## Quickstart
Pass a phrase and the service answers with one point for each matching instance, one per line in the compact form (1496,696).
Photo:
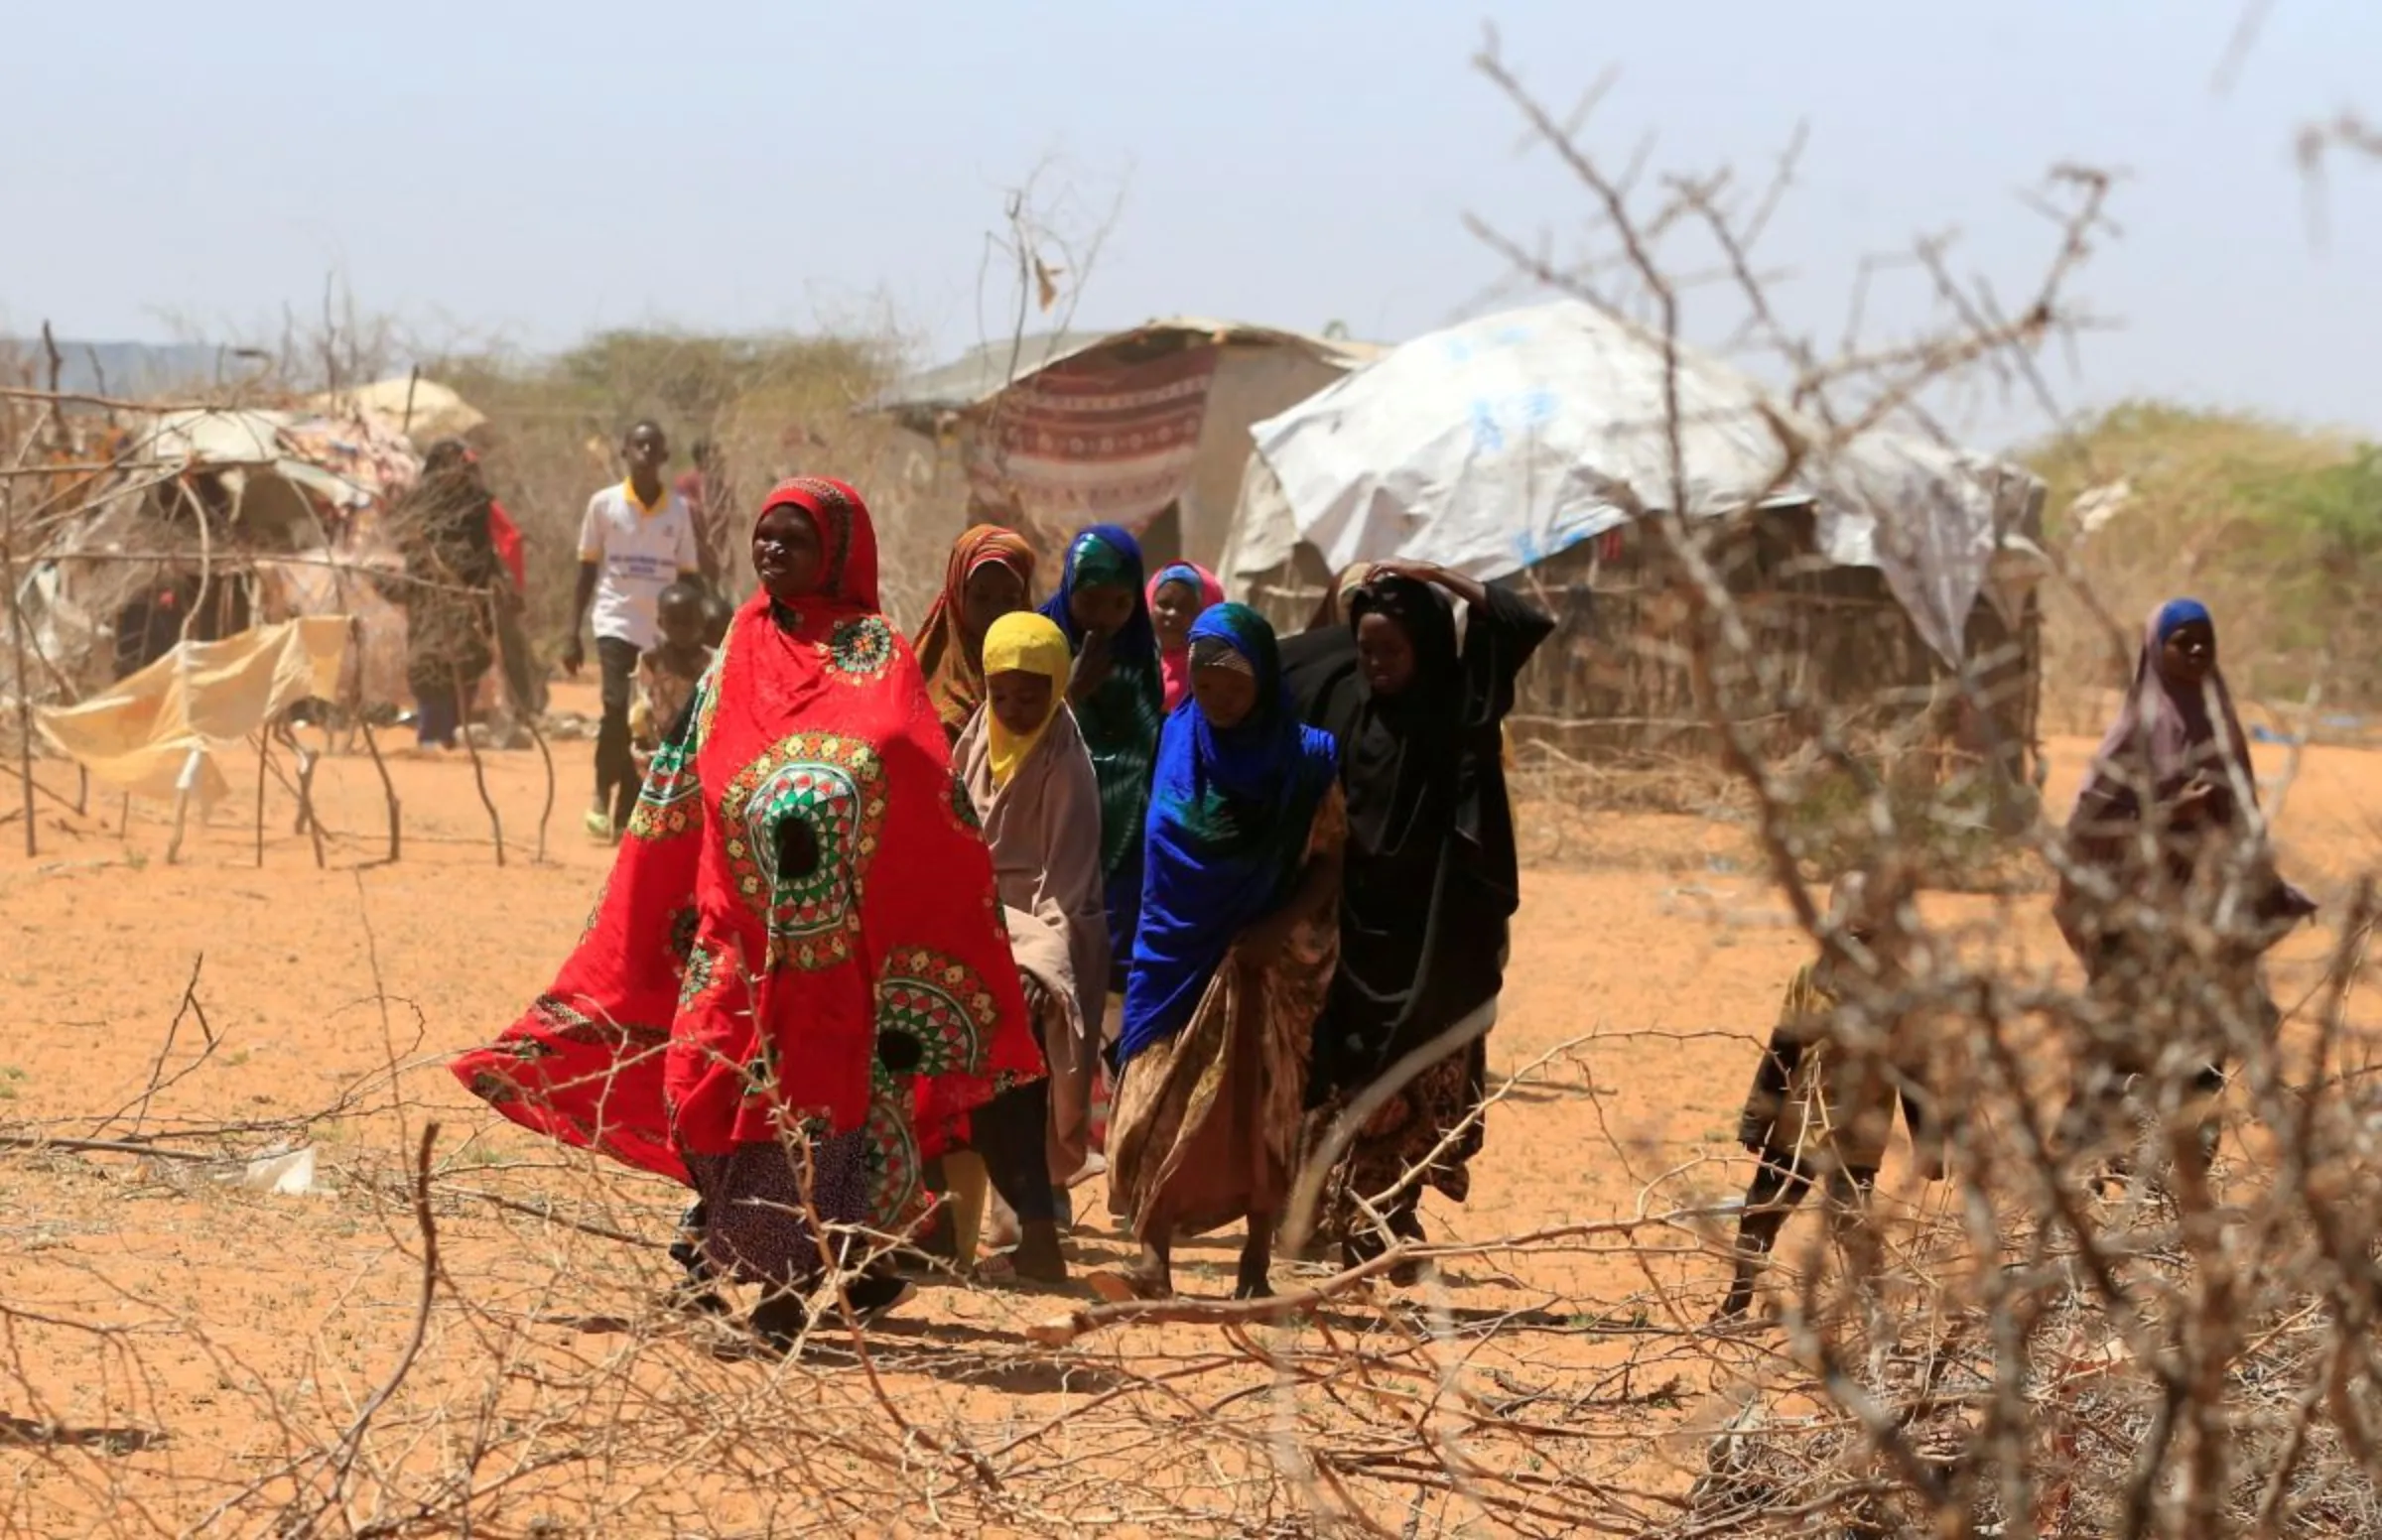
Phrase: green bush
(2278,527)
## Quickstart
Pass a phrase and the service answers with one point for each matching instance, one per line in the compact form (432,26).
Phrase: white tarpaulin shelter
(1494,445)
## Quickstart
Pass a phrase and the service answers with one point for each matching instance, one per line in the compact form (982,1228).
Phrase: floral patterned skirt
(1431,1125)
(756,1208)
(1206,1123)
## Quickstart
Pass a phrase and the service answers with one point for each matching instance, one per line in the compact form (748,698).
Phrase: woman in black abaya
(1432,877)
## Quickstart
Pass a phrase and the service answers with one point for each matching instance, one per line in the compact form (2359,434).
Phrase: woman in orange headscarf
(767,1005)
(991,573)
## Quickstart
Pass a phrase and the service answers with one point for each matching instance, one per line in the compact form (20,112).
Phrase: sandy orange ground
(237,1327)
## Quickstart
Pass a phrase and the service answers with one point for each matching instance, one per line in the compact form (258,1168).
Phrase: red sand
(1657,949)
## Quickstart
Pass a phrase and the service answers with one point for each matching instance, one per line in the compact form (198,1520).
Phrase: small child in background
(716,613)
(668,672)
(1817,1112)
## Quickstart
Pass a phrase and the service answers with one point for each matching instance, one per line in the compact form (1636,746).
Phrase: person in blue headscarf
(1238,938)
(1117,696)
(2168,826)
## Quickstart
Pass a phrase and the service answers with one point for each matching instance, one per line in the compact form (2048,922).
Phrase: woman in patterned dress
(1235,948)
(766,1006)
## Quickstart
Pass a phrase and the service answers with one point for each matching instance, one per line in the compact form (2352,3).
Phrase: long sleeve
(1073,883)
(1500,636)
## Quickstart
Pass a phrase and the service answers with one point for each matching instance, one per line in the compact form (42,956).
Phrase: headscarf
(1175,667)
(1320,662)
(1104,556)
(1229,819)
(953,680)
(1023,643)
(2165,734)
(764,954)
(1404,747)
(1120,723)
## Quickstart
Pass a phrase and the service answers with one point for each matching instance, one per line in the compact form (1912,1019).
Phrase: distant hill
(123,368)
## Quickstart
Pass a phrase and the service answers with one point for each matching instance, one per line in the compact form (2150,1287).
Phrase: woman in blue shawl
(1117,693)
(1237,942)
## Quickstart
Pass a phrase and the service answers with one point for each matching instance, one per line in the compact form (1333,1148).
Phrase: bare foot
(1121,1285)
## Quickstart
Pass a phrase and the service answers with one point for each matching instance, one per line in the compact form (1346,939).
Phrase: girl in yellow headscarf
(1024,652)
(1032,785)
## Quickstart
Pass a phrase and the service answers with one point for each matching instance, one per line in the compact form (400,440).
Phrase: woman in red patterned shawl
(798,958)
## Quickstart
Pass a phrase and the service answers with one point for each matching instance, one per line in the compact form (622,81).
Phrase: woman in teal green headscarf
(1119,696)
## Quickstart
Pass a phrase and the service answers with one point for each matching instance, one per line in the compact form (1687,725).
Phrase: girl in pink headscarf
(1178,595)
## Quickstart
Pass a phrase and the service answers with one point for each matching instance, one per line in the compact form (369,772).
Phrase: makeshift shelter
(1528,446)
(405,405)
(1148,428)
(222,519)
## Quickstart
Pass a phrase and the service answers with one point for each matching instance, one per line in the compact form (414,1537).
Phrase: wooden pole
(546,812)
(264,762)
(388,788)
(310,823)
(16,629)
(480,778)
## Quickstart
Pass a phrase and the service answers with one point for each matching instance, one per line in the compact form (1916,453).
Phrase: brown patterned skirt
(1206,1123)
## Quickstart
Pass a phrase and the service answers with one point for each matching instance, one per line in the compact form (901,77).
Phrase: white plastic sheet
(1494,445)
(285,1173)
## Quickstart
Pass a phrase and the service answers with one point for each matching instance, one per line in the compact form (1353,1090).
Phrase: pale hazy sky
(533,172)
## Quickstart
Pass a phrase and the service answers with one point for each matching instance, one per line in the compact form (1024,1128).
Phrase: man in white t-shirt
(637,539)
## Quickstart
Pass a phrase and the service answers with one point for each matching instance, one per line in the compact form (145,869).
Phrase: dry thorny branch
(2024,1349)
